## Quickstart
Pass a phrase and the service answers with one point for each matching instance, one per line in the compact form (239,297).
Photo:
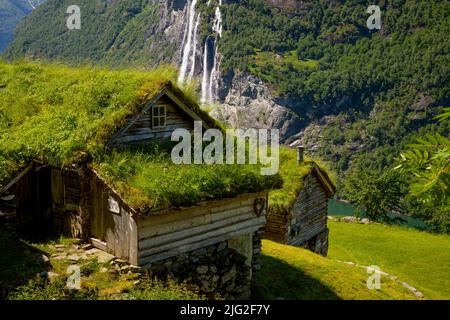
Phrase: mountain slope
(311,68)
(11,13)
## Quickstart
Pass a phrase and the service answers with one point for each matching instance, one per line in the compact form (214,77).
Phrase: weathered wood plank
(210,234)
(144,261)
(190,232)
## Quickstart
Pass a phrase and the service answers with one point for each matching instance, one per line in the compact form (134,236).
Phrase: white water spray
(210,76)
(194,48)
(188,45)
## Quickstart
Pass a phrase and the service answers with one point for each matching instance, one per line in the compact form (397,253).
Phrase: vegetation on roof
(148,180)
(292,174)
(60,115)
(65,116)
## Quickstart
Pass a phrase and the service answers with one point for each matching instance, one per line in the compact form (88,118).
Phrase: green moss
(293,174)
(149,180)
(65,116)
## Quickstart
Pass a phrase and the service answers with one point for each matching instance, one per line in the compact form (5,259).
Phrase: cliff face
(247,102)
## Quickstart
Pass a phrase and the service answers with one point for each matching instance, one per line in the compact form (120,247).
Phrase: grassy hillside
(293,273)
(419,258)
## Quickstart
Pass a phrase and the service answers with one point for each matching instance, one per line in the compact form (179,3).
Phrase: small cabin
(214,242)
(301,220)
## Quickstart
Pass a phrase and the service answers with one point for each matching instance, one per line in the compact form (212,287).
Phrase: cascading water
(194,48)
(210,74)
(188,46)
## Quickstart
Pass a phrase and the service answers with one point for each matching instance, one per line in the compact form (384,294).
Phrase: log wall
(306,224)
(165,235)
(142,131)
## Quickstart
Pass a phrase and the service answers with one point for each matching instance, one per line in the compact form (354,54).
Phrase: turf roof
(65,116)
(293,175)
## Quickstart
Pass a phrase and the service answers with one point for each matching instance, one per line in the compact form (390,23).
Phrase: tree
(375,194)
(427,165)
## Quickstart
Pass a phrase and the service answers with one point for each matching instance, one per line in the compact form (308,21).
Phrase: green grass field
(418,258)
(292,273)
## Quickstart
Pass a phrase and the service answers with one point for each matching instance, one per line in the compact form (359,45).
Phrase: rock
(247,102)
(331,218)
(419,295)
(119,261)
(48,275)
(202,269)
(125,269)
(104,257)
(230,287)
(87,246)
(350,219)
(92,251)
(59,257)
(74,257)
(365,221)
(229,275)
(45,259)
(409,287)
(60,246)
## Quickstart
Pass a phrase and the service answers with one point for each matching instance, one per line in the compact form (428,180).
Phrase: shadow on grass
(279,280)
(19,262)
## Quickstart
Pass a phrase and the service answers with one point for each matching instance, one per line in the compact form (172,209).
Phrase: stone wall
(216,269)
(318,244)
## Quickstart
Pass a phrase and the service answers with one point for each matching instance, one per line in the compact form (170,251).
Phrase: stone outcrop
(247,102)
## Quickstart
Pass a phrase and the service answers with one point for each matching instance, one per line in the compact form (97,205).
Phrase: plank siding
(166,235)
(309,214)
(306,219)
(141,130)
(117,230)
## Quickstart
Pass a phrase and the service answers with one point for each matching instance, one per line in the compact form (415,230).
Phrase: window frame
(159,117)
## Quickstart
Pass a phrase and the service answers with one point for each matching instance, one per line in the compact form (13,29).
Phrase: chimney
(300,154)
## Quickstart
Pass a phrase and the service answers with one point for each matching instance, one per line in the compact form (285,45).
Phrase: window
(158,117)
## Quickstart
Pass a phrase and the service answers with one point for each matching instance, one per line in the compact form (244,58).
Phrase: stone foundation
(216,269)
(318,244)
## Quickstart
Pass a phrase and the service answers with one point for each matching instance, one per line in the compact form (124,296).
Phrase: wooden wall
(309,215)
(307,218)
(165,235)
(112,225)
(141,130)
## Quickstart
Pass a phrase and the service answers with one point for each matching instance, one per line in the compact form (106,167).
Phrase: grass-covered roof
(293,175)
(65,116)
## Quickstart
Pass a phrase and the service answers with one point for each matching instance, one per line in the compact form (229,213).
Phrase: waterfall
(210,74)
(205,77)
(194,48)
(188,45)
(217,26)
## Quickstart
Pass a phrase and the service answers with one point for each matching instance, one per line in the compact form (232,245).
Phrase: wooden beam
(17,178)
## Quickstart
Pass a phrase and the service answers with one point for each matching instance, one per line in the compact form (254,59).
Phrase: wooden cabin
(216,242)
(303,223)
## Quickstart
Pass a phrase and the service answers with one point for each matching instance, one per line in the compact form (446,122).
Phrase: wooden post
(300,154)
